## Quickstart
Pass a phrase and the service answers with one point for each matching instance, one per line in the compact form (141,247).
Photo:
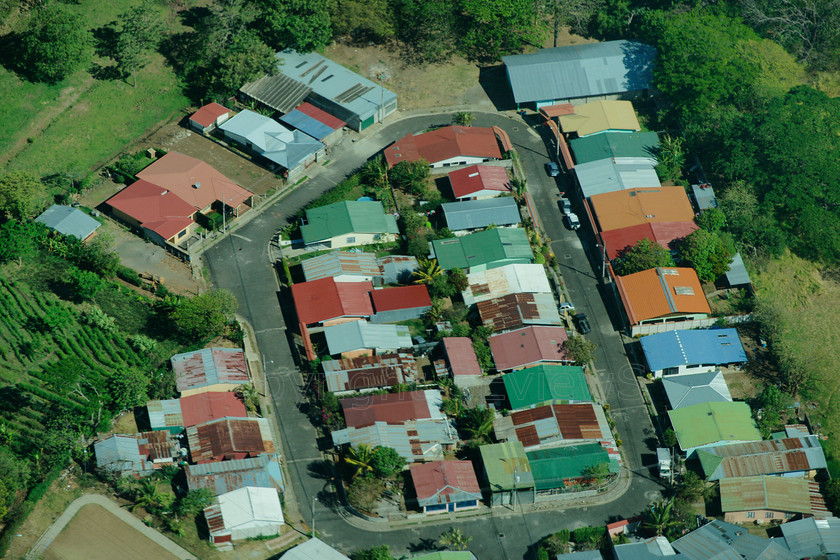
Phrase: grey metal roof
(581,555)
(165,414)
(67,220)
(696,388)
(357,335)
(704,196)
(397,269)
(811,537)
(580,71)
(710,542)
(428,436)
(737,274)
(657,547)
(225,476)
(272,140)
(472,214)
(280,92)
(615,174)
(339,263)
(753,547)
(121,453)
(335,82)
(313,549)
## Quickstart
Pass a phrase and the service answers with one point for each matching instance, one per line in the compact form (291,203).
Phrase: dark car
(582,323)
(552,169)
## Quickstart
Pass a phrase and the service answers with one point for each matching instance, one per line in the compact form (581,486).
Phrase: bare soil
(96,534)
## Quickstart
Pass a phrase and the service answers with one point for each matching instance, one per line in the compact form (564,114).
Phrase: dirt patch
(96,534)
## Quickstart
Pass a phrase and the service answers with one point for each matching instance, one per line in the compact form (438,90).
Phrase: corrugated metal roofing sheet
(713,422)
(516,310)
(165,414)
(775,493)
(339,263)
(345,218)
(307,124)
(711,541)
(737,274)
(392,408)
(696,388)
(661,292)
(461,356)
(600,116)
(529,345)
(632,207)
(474,214)
(812,537)
(366,372)
(325,299)
(442,482)
(313,549)
(478,178)
(615,174)
(67,220)
(400,297)
(210,366)
(504,280)
(279,92)
(220,477)
(361,335)
(552,467)
(426,439)
(577,71)
(208,114)
(489,248)
(616,145)
(618,241)
(229,438)
(762,457)
(397,269)
(693,347)
(505,461)
(444,143)
(540,384)
(204,407)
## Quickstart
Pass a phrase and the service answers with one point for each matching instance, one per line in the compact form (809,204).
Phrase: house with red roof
(463,363)
(446,147)
(209,117)
(401,303)
(175,196)
(445,486)
(477,182)
(529,346)
(325,302)
(174,415)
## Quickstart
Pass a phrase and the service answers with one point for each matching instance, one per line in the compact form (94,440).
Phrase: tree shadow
(322,469)
(192,17)
(424,545)
(13,399)
(10,54)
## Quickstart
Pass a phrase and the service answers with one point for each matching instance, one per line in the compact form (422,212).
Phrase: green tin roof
(486,249)
(503,462)
(446,555)
(615,145)
(349,216)
(535,385)
(552,466)
(712,422)
(709,462)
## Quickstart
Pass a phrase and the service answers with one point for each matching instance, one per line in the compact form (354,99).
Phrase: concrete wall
(759,516)
(358,239)
(459,160)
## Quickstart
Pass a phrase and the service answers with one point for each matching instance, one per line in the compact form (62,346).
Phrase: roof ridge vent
(197,185)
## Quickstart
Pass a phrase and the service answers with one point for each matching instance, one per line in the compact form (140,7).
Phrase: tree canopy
(55,43)
(205,315)
(705,252)
(302,25)
(644,255)
(17,195)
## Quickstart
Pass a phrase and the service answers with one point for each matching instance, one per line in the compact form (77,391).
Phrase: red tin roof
(444,478)
(461,355)
(204,407)
(229,438)
(527,346)
(402,297)
(444,143)
(477,178)
(321,116)
(156,208)
(208,114)
(617,240)
(391,408)
(324,299)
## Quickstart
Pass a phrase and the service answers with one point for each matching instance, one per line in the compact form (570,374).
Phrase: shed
(209,117)
(546,384)
(696,388)
(400,303)
(615,174)
(713,423)
(165,415)
(704,196)
(313,549)
(534,344)
(337,90)
(67,220)
(600,116)
(686,351)
(483,250)
(263,471)
(244,513)
(611,69)
(445,486)
(737,274)
(357,338)
(476,214)
(507,472)
(316,123)
(278,91)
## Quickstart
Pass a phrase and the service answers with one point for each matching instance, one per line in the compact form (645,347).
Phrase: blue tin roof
(472,214)
(693,347)
(303,122)
(68,221)
(225,476)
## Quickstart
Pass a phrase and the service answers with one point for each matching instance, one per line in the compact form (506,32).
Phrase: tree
(670,438)
(463,118)
(671,157)
(580,349)
(692,487)
(597,471)
(17,195)
(705,252)
(658,517)
(519,187)
(17,240)
(455,539)
(141,30)
(244,59)
(754,227)
(492,28)
(193,502)
(127,389)
(711,219)
(55,316)
(146,495)
(365,492)
(427,271)
(85,285)
(248,393)
(359,459)
(55,43)
(477,424)
(385,461)
(644,255)
(302,25)
(458,279)
(381,552)
(363,19)
(411,176)
(428,28)
(205,315)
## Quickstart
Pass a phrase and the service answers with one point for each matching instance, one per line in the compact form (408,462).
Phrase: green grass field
(806,299)
(80,123)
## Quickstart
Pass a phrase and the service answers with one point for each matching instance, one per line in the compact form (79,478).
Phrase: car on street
(572,221)
(566,306)
(552,169)
(582,323)
(565,206)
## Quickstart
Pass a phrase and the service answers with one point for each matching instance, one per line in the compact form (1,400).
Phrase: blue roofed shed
(67,220)
(692,351)
(475,214)
(316,123)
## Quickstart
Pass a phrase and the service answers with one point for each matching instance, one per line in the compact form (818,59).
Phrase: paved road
(241,264)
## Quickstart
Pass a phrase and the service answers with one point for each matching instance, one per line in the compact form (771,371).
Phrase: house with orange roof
(661,295)
(175,196)
(446,147)
(632,207)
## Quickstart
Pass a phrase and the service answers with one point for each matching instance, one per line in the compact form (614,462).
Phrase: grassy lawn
(806,298)
(80,123)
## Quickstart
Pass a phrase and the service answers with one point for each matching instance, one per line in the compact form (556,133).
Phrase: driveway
(241,264)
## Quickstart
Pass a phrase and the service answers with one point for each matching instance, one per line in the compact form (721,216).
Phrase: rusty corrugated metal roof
(229,437)
(515,310)
(210,366)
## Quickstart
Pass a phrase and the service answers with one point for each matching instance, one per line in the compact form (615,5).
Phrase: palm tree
(671,156)
(146,495)
(518,186)
(359,458)
(658,518)
(477,423)
(454,538)
(428,270)
(249,396)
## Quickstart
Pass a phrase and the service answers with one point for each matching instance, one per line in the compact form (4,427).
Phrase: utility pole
(224,221)
(313,517)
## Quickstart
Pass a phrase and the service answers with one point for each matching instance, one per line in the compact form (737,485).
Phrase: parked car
(565,206)
(582,323)
(572,221)
(566,306)
(552,169)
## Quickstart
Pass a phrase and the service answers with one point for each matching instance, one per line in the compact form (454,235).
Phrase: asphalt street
(240,263)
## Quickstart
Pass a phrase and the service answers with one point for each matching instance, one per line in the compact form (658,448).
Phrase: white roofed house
(505,280)
(244,513)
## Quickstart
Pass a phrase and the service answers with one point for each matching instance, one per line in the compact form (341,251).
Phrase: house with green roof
(349,223)
(616,145)
(762,499)
(713,423)
(530,387)
(559,468)
(507,472)
(446,555)
(483,250)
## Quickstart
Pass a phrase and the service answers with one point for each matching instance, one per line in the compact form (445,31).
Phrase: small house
(618,174)
(507,473)
(460,355)
(135,454)
(696,388)
(313,549)
(229,439)
(245,513)
(662,295)
(534,386)
(813,538)
(67,220)
(369,372)
(263,471)
(316,123)
(712,424)
(400,303)
(174,415)
(208,117)
(616,145)
(554,425)
(557,469)
(505,280)
(446,147)
(342,266)
(470,215)
(483,250)
(766,499)
(348,224)
(209,369)
(514,311)
(599,116)
(800,456)
(529,346)
(445,486)
(479,182)
(359,338)
(681,352)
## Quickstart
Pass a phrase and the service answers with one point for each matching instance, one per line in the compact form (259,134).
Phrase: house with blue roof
(692,351)
(276,145)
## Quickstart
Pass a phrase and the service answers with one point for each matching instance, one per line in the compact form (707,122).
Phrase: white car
(566,206)
(572,221)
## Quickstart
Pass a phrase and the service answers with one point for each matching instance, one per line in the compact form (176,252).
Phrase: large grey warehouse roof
(580,71)
(335,82)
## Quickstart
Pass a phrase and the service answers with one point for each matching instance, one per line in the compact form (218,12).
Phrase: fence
(639,330)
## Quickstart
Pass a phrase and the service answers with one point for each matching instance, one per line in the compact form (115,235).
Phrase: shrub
(129,275)
(142,343)
(94,316)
